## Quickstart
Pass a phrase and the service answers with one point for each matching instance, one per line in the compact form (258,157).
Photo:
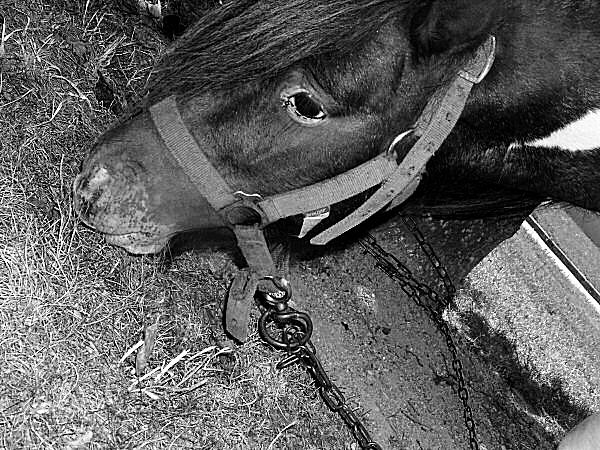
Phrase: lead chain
(294,333)
(334,398)
(296,328)
(428,299)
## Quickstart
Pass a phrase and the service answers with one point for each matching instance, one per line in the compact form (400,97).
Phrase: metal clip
(241,195)
(290,329)
(283,294)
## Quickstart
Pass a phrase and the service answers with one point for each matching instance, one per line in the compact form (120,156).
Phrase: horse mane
(246,40)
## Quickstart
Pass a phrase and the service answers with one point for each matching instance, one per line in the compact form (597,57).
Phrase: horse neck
(546,75)
(547,63)
(542,37)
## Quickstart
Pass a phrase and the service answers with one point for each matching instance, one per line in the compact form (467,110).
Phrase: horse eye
(302,107)
(306,106)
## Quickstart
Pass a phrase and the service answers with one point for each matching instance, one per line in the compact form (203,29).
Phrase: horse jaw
(138,243)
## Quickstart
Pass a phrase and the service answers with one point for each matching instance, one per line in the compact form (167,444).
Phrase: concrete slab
(526,338)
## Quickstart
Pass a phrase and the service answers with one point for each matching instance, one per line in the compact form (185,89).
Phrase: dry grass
(71,307)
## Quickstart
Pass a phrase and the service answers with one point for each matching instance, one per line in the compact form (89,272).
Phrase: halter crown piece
(397,181)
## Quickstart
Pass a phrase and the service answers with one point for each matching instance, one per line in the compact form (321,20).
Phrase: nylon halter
(397,181)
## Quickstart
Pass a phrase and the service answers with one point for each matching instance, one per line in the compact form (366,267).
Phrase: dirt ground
(529,357)
(387,352)
(71,307)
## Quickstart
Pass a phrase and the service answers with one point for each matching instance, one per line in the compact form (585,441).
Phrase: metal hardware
(241,195)
(399,139)
(433,303)
(295,330)
(490,47)
(282,295)
(244,211)
(290,329)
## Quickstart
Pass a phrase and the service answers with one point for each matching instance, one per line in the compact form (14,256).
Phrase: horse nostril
(89,182)
(82,206)
(79,184)
(88,187)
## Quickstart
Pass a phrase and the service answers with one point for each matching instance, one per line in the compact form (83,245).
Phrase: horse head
(280,95)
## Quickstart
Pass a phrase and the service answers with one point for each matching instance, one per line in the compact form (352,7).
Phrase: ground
(72,308)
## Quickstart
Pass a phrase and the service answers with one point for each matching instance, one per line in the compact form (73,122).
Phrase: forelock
(251,39)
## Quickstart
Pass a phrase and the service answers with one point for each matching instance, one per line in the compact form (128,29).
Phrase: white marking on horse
(583,134)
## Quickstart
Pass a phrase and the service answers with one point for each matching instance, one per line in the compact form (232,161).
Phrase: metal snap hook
(284,293)
(295,329)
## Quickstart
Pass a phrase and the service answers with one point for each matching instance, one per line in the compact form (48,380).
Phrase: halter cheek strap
(435,124)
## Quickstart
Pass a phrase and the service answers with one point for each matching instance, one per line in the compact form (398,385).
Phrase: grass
(72,309)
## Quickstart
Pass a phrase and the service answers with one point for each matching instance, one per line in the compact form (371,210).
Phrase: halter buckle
(244,211)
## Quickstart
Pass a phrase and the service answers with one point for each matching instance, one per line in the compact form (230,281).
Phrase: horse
(278,96)
(357,73)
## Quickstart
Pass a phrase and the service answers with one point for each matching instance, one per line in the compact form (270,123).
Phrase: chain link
(334,398)
(428,299)
(284,328)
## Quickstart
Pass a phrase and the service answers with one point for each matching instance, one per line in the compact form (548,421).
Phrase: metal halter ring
(399,139)
(244,211)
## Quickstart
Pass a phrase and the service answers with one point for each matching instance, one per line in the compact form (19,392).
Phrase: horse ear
(439,26)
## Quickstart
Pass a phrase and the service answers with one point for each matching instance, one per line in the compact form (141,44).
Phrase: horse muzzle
(130,190)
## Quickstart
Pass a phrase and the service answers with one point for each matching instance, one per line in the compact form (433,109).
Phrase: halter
(397,181)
